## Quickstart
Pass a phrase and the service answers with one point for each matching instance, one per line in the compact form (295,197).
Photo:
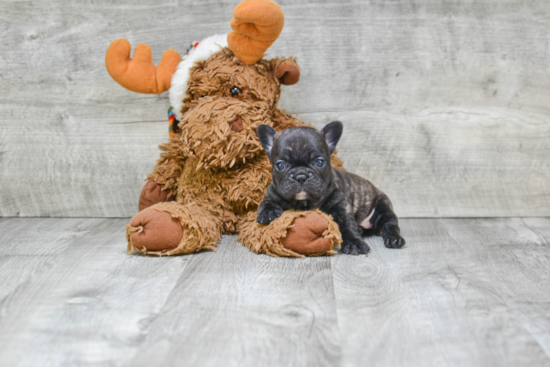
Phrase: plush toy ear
(266,134)
(287,70)
(332,133)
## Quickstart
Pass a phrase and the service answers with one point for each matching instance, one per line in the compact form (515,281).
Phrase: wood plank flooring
(463,292)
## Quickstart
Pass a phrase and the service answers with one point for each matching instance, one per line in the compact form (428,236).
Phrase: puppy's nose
(301,178)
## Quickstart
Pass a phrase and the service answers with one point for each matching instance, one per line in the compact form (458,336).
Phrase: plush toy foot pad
(155,230)
(306,236)
(171,228)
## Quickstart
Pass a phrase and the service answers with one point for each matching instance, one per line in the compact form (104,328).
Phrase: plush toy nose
(237,124)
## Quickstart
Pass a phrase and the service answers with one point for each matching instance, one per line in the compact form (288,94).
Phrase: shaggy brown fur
(219,175)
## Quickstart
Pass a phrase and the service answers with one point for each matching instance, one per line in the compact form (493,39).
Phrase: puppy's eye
(280,166)
(320,162)
(235,91)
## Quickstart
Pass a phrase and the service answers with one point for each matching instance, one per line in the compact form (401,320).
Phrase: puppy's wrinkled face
(300,159)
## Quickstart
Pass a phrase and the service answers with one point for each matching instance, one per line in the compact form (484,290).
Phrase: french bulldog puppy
(304,179)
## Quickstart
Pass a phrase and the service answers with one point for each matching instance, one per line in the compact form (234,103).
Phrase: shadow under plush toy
(214,173)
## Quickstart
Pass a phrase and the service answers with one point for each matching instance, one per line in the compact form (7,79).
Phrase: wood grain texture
(442,164)
(516,257)
(70,295)
(235,308)
(540,226)
(470,292)
(73,297)
(445,104)
(463,292)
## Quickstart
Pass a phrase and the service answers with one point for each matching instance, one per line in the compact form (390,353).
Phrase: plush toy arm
(293,234)
(139,74)
(162,182)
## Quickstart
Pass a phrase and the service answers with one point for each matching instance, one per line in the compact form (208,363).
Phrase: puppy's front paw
(269,214)
(355,247)
(393,241)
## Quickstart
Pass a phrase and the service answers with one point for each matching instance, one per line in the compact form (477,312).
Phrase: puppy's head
(300,159)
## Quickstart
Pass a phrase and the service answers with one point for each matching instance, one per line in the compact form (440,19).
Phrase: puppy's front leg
(352,242)
(268,211)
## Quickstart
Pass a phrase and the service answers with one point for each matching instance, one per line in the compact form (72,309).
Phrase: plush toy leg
(293,234)
(173,229)
(152,194)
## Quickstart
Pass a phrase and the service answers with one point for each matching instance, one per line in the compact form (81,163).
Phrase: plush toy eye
(235,91)
(280,166)
(320,162)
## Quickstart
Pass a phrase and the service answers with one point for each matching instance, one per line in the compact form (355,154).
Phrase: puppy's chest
(239,189)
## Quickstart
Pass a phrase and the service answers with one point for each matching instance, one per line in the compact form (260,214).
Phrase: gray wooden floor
(463,292)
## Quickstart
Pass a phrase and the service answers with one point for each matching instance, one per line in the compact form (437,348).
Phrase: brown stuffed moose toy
(213,173)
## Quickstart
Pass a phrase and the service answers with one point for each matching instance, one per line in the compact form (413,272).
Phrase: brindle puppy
(304,179)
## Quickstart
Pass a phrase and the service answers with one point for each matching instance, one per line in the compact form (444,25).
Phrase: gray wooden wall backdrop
(445,103)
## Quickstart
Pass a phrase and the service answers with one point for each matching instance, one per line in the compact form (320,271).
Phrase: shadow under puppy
(304,179)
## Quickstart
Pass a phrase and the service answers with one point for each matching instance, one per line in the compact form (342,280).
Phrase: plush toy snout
(220,131)
(237,124)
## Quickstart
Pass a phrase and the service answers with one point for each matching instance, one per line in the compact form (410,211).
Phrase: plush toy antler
(140,74)
(256,25)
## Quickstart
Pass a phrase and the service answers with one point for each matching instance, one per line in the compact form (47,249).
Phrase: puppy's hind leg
(384,221)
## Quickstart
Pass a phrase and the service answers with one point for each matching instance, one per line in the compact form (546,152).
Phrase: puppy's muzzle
(301,177)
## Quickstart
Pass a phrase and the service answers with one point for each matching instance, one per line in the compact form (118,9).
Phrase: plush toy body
(213,173)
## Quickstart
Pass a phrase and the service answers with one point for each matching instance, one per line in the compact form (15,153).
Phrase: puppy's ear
(266,134)
(332,133)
